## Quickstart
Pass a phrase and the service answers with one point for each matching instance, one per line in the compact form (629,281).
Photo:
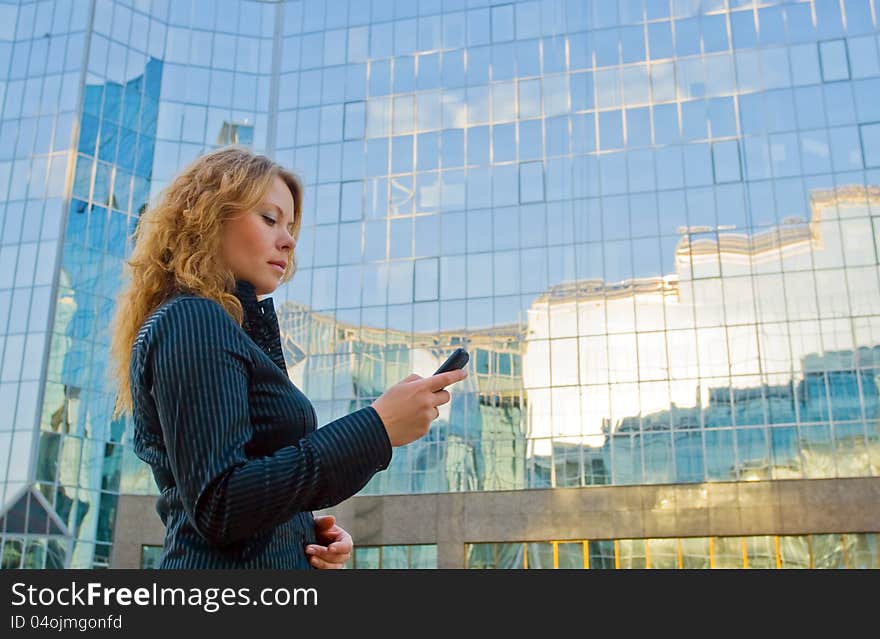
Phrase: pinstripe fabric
(233,444)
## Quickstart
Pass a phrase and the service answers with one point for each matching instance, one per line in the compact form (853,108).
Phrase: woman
(233,444)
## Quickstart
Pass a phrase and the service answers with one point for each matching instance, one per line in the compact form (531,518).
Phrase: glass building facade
(765,552)
(654,224)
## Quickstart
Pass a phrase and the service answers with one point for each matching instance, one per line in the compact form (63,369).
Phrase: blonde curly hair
(177,244)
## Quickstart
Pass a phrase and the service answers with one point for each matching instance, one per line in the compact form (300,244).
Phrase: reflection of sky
(739,310)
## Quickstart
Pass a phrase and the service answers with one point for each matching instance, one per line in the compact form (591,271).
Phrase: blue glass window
(502,23)
(666,124)
(606,48)
(722,117)
(430,32)
(660,40)
(428,151)
(799,19)
(581,91)
(742,25)
(478,146)
(771,25)
(429,72)
(687,37)
(355,119)
(610,130)
(725,161)
(632,41)
(858,16)
(478,63)
(355,81)
(453,69)
(528,20)
(828,19)
(454,30)
(528,58)
(580,50)
(714,31)
(380,77)
(638,127)
(530,140)
(478,27)
(505,186)
(405,37)
(404,74)
(835,65)
(531,182)
(452,146)
(504,143)
(554,54)
(870,134)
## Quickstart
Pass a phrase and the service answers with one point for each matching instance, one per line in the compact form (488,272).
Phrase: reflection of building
(633,214)
(236,133)
(712,372)
(478,441)
(67,511)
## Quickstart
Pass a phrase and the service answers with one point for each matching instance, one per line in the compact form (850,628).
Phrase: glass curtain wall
(828,551)
(42,48)
(153,85)
(653,224)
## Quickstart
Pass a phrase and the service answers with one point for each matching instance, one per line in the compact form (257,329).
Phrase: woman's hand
(337,546)
(408,408)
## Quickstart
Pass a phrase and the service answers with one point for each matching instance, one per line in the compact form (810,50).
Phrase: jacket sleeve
(200,386)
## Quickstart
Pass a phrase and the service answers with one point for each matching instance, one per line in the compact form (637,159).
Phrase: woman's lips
(277,266)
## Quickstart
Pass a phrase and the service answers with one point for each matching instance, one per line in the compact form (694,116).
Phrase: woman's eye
(269,220)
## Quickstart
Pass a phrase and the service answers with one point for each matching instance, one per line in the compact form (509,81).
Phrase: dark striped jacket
(233,444)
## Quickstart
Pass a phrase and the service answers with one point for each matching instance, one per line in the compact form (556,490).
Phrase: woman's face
(258,245)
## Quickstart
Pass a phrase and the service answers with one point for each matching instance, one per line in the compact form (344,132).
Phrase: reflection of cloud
(454,110)
(740,311)
(815,147)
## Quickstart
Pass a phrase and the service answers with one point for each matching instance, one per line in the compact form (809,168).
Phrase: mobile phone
(455,361)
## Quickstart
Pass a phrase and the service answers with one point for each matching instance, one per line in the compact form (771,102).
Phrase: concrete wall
(782,507)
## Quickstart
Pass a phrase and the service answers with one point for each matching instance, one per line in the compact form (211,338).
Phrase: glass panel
(794,552)
(862,550)
(761,552)
(570,554)
(828,551)
(601,554)
(727,552)
(695,553)
(540,555)
(834,60)
(394,557)
(664,553)
(12,553)
(632,553)
(423,556)
(35,555)
(366,557)
(150,556)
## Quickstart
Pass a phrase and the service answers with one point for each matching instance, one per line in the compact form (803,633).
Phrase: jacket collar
(260,321)
(247,295)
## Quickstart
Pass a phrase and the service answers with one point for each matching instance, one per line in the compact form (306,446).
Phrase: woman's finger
(317,562)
